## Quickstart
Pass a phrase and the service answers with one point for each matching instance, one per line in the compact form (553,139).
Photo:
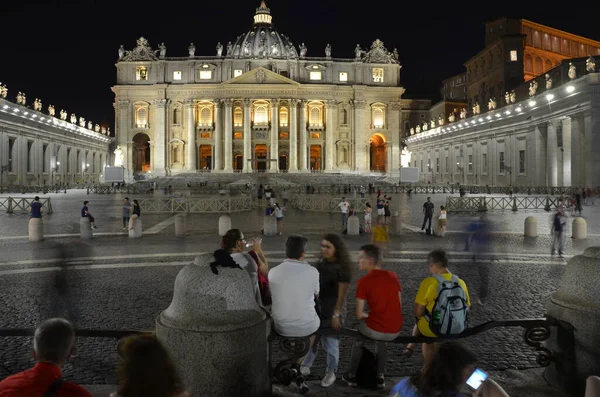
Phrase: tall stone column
(247,167)
(217,149)
(160,136)
(190,163)
(394,122)
(123,139)
(551,153)
(360,138)
(330,135)
(228,141)
(293,167)
(303,138)
(576,163)
(591,126)
(566,163)
(274,166)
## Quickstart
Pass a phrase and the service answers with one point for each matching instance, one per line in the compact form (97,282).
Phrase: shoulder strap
(53,388)
(455,278)
(439,278)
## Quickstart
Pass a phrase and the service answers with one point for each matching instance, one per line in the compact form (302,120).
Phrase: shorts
(442,222)
(279,219)
(380,211)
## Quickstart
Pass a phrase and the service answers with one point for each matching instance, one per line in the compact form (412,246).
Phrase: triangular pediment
(261,75)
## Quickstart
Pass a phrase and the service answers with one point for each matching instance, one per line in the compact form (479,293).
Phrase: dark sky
(64,52)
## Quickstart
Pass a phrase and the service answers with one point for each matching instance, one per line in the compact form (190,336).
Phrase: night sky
(64,52)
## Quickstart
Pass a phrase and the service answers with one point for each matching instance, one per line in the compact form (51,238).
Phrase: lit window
(237,72)
(237,117)
(238,135)
(260,115)
(177,75)
(141,117)
(513,55)
(205,74)
(315,135)
(378,75)
(378,118)
(343,76)
(141,73)
(315,75)
(315,116)
(205,117)
(283,117)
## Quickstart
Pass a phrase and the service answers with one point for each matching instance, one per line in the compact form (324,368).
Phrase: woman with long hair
(335,274)
(443,376)
(135,214)
(147,370)
(234,243)
(278,213)
(368,217)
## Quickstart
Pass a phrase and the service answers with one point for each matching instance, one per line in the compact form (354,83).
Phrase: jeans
(427,217)
(381,339)
(344,219)
(125,221)
(331,344)
(557,240)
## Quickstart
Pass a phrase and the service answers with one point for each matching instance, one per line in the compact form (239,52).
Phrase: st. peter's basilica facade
(260,104)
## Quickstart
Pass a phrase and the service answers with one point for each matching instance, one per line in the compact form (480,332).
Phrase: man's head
(369,257)
(295,247)
(126,198)
(438,261)
(429,199)
(53,341)
(85,202)
(36,198)
(343,198)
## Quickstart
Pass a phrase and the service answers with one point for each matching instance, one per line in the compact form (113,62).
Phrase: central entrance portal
(260,155)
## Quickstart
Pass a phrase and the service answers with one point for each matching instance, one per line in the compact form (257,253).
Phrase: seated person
(381,290)
(426,298)
(53,344)
(294,288)
(450,367)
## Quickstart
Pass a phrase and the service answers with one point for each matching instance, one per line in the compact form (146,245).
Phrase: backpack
(449,314)
(366,374)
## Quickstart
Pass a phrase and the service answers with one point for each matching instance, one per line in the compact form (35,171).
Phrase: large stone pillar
(217,149)
(293,167)
(228,147)
(190,163)
(274,165)
(591,122)
(394,122)
(247,167)
(360,138)
(576,160)
(551,153)
(160,136)
(330,131)
(566,160)
(303,138)
(124,141)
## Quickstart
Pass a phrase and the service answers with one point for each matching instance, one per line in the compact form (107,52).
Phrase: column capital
(331,103)
(161,103)
(358,103)
(395,105)
(124,103)
(227,102)
(274,102)
(216,103)
(303,102)
(189,101)
(294,102)
(247,103)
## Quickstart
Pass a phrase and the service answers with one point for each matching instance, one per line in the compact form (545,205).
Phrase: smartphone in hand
(476,379)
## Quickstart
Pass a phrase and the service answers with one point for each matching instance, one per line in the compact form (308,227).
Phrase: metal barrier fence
(105,189)
(218,205)
(311,202)
(474,204)
(23,204)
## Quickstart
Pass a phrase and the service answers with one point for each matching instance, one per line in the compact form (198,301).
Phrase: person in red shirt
(53,344)
(381,290)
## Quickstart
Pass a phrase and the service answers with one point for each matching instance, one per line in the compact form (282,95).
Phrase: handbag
(263,283)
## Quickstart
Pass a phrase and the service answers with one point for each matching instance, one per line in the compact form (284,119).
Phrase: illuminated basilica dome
(262,41)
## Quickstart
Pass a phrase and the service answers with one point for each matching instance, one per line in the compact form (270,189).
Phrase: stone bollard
(435,226)
(137,229)
(180,225)
(269,226)
(396,226)
(224,224)
(36,229)
(576,303)
(85,228)
(579,228)
(214,319)
(353,226)
(530,226)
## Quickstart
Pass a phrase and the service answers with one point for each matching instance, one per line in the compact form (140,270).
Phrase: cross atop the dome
(263,14)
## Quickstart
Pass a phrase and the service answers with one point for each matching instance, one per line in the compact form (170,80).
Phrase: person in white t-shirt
(344,207)
(294,286)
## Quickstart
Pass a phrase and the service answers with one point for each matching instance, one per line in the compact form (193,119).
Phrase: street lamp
(53,170)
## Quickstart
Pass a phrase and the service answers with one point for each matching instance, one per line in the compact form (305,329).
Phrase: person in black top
(36,208)
(335,274)
(135,213)
(558,227)
(85,213)
(428,208)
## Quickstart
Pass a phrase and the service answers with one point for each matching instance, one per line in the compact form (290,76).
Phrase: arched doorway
(315,157)
(238,162)
(260,156)
(283,166)
(378,153)
(141,153)
(205,154)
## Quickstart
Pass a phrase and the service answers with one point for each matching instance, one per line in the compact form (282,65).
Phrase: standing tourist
(344,206)
(558,227)
(442,221)
(126,212)
(381,235)
(386,210)
(428,214)
(368,217)
(335,274)
(278,212)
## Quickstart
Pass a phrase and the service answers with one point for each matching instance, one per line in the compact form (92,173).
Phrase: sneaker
(304,371)
(328,379)
(380,382)
(351,380)
(94,227)
(301,385)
